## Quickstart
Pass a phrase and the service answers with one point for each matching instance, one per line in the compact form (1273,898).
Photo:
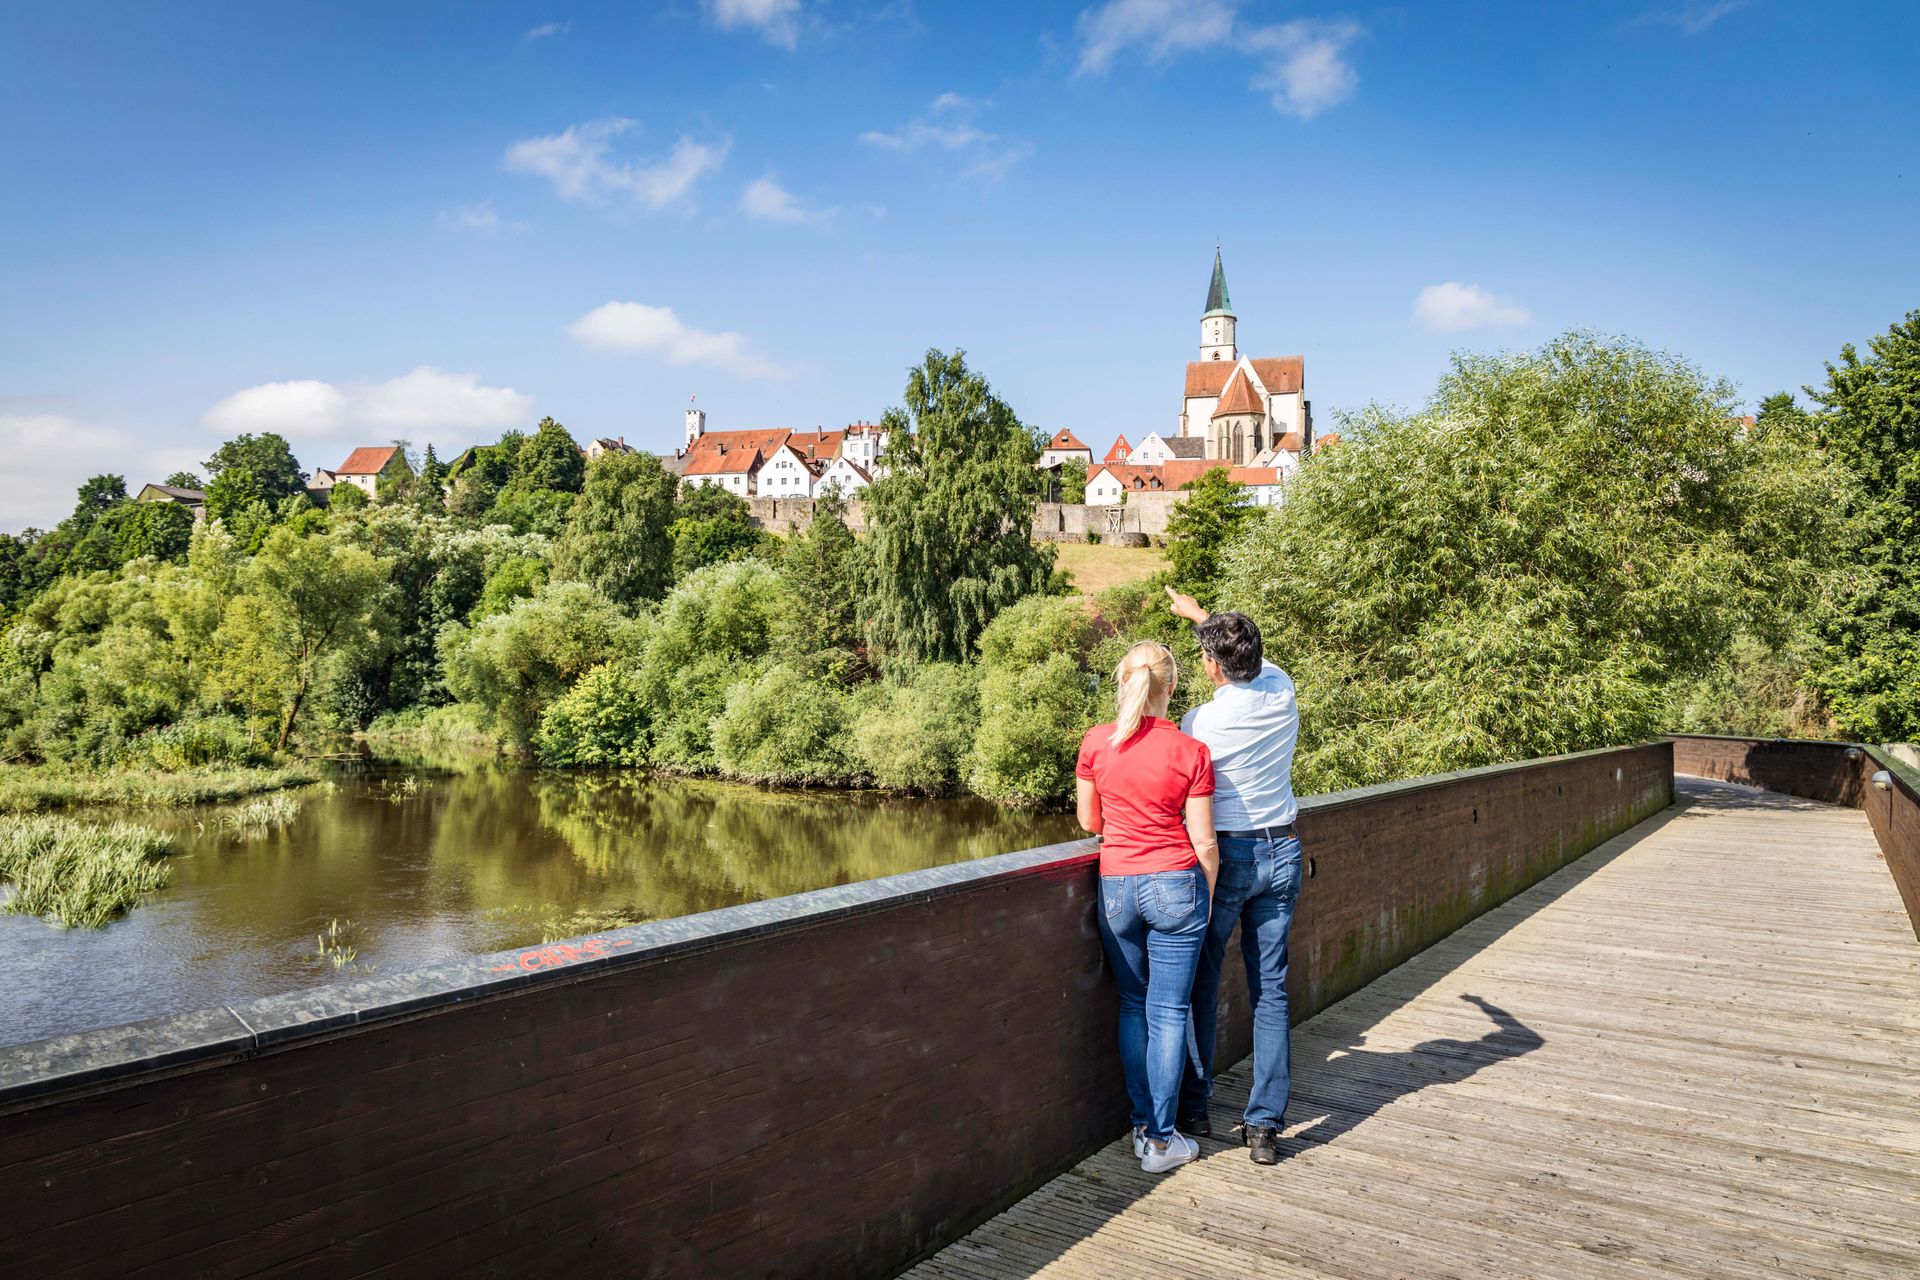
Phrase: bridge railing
(835,1083)
(1850,773)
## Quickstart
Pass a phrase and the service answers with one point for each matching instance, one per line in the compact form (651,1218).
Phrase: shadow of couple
(1353,1082)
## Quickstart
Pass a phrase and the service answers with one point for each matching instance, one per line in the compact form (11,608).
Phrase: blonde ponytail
(1145,678)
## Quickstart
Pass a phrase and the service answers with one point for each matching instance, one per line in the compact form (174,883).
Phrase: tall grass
(40,788)
(261,815)
(77,874)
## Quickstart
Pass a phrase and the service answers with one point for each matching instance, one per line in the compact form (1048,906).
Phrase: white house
(785,474)
(864,444)
(1156,450)
(1263,483)
(598,449)
(731,469)
(844,476)
(1110,481)
(1064,447)
(362,469)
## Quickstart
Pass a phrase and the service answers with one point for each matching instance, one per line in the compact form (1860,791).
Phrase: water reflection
(433,859)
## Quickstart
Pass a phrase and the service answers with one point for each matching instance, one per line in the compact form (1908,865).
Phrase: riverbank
(43,788)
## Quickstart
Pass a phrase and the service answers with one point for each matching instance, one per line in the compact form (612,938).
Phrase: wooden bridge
(1696,1051)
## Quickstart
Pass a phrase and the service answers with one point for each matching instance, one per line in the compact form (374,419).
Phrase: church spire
(1217,299)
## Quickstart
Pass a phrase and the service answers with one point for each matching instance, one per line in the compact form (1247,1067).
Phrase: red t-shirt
(1144,784)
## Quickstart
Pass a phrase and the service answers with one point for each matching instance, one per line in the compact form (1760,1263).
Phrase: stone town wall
(1140,520)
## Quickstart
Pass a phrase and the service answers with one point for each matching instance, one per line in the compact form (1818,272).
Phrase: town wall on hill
(1141,520)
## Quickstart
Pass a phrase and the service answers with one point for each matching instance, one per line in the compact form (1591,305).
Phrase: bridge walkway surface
(1695,1051)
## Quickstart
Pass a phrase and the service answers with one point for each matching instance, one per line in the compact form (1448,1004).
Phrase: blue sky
(360,221)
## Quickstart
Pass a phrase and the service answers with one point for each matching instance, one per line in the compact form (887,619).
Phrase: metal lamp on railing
(1882,780)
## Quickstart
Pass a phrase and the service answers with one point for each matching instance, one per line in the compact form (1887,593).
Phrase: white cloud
(48,456)
(1306,67)
(634,327)
(947,125)
(1695,16)
(547,30)
(479,219)
(777,21)
(578,163)
(1162,27)
(1452,307)
(1303,63)
(424,405)
(768,201)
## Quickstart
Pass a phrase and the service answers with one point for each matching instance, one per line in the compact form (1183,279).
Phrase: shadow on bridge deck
(1690,1052)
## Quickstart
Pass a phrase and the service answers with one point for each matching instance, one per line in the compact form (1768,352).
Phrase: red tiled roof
(367,460)
(765,441)
(1255,475)
(1278,375)
(1135,478)
(1321,442)
(816,444)
(1291,442)
(1180,472)
(1119,451)
(712,462)
(1239,397)
(1067,440)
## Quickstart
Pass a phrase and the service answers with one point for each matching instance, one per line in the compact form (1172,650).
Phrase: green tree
(157,529)
(825,566)
(551,460)
(183,480)
(782,726)
(509,667)
(240,501)
(1871,424)
(270,460)
(617,537)
(951,522)
(301,597)
(1073,481)
(602,720)
(915,736)
(1529,564)
(711,526)
(1211,510)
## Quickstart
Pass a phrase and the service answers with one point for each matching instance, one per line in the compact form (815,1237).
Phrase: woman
(1148,789)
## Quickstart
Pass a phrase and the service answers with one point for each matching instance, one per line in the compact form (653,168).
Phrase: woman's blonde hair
(1146,675)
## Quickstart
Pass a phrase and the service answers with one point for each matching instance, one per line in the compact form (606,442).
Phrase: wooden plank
(1718,1030)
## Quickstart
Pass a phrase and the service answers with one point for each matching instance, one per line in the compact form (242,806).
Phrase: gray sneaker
(1180,1149)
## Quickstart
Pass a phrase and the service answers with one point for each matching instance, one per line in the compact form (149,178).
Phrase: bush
(192,743)
(784,727)
(510,666)
(1031,721)
(1029,632)
(602,720)
(914,737)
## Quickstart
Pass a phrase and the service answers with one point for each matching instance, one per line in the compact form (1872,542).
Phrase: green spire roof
(1217,299)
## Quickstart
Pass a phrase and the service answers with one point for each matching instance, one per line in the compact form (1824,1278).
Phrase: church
(1240,409)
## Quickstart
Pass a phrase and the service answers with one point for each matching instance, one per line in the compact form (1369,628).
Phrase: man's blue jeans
(1152,925)
(1258,886)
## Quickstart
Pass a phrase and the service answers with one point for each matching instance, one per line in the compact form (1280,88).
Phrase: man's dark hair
(1233,641)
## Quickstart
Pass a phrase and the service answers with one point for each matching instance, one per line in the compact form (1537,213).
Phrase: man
(1250,726)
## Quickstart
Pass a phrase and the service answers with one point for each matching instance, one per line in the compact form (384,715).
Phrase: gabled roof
(1119,451)
(850,465)
(173,493)
(1217,299)
(1067,440)
(1129,477)
(816,444)
(1239,397)
(1291,442)
(1280,375)
(1321,442)
(714,462)
(367,460)
(1188,447)
(1181,472)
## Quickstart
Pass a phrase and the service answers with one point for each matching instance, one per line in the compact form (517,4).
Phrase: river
(402,864)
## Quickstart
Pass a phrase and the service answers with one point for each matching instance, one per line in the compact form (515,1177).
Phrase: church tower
(1217,341)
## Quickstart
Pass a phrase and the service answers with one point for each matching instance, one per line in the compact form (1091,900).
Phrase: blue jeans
(1258,886)
(1152,926)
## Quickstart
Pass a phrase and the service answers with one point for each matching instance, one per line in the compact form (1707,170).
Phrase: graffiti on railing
(557,954)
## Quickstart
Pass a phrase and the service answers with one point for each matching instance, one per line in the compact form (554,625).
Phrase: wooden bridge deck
(1699,1054)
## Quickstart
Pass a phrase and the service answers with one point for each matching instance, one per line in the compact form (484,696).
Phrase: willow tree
(1523,567)
(952,520)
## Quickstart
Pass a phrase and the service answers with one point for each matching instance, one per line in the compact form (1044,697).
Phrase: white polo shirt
(1251,729)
